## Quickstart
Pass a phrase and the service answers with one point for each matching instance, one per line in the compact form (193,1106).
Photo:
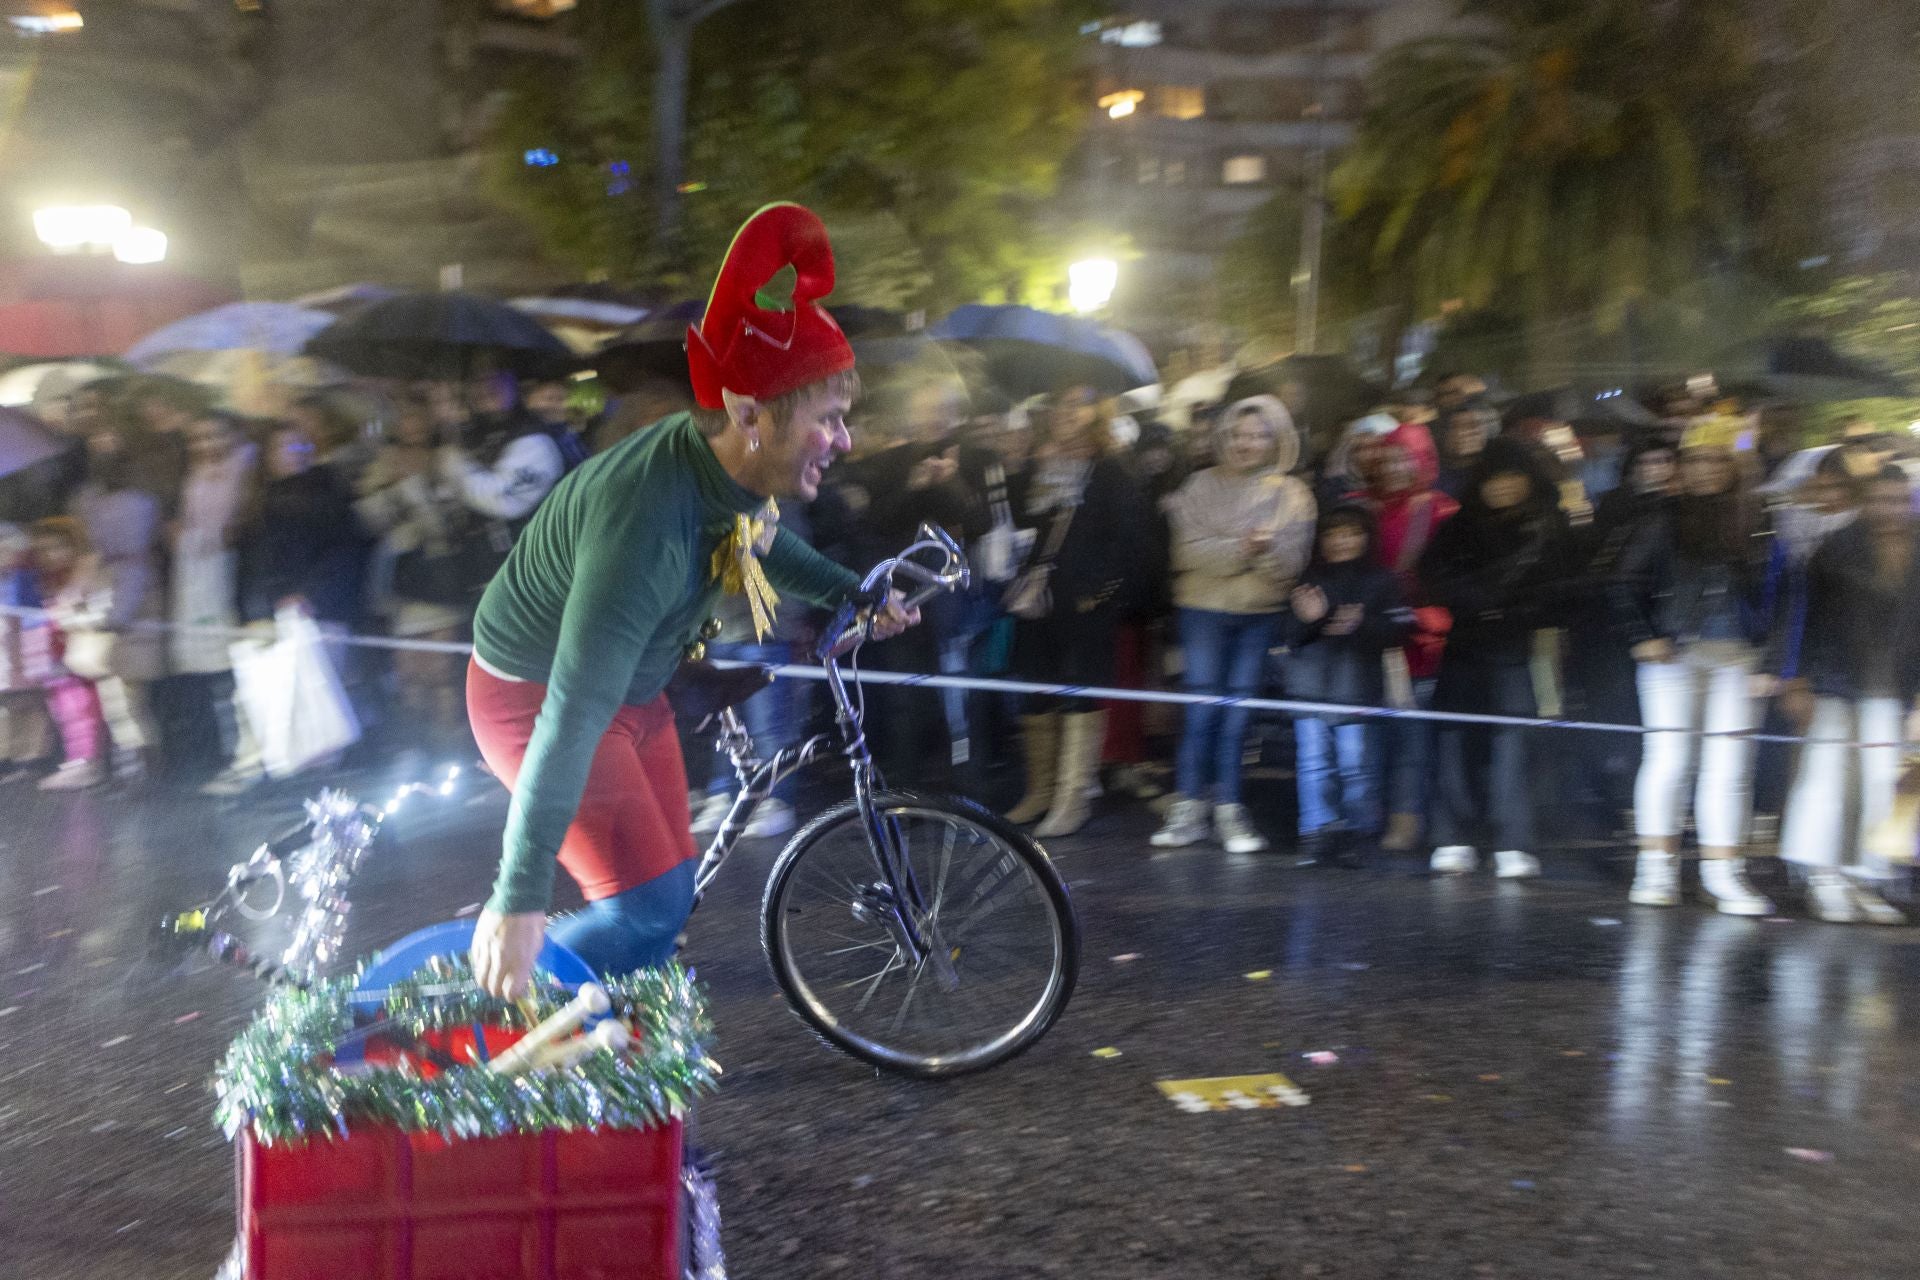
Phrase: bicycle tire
(1022,845)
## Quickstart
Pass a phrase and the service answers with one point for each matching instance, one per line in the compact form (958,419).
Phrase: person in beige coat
(1242,533)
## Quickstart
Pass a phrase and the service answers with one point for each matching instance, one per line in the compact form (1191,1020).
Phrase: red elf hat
(747,349)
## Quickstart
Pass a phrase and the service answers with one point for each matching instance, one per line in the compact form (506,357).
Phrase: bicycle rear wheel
(1001,944)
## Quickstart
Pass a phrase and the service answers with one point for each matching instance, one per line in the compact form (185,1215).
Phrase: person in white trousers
(1861,662)
(1689,593)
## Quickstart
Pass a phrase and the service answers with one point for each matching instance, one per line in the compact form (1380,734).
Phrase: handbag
(1031,594)
(997,553)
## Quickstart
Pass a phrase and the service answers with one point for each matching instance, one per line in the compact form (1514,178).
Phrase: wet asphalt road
(1535,1081)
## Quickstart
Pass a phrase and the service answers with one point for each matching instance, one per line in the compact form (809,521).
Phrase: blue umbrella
(1029,352)
(277,328)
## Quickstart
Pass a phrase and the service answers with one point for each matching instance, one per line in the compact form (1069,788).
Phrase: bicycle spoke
(878,978)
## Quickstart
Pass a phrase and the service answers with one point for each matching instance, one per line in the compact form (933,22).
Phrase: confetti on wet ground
(1810,1155)
(1126,957)
(1233,1093)
(187,1017)
(1490,1077)
(43,892)
(1523,1184)
(1259,975)
(1322,1057)
(1106,1053)
(1604,922)
(115,1043)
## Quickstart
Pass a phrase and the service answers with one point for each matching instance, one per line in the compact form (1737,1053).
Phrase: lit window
(46,24)
(1240,170)
(1134,35)
(1180,101)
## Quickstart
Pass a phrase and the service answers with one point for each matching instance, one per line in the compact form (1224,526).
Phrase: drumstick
(590,1002)
(611,1034)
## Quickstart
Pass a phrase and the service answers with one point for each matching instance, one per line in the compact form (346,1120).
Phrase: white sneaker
(1872,908)
(770,818)
(1725,881)
(1186,825)
(1830,898)
(1511,864)
(75,775)
(1235,833)
(1453,860)
(1656,880)
(713,811)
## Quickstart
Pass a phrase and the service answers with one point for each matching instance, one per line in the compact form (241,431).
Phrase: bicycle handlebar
(852,625)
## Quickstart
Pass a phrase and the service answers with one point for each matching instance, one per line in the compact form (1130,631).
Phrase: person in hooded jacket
(1861,663)
(1242,532)
(1346,613)
(1402,468)
(1501,568)
(1694,595)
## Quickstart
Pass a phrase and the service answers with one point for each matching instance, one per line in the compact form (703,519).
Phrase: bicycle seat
(699,691)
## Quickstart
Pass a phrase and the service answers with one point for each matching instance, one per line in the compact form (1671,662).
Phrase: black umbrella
(1028,352)
(1583,408)
(1805,369)
(440,335)
(653,350)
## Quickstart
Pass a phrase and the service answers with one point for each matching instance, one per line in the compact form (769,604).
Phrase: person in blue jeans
(1242,532)
(1347,612)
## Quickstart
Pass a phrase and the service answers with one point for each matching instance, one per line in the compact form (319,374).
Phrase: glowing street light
(65,228)
(140,245)
(1120,105)
(1090,283)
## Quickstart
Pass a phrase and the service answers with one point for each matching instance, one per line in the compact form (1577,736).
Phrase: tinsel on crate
(279,1079)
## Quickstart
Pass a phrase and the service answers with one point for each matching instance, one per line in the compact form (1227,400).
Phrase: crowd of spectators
(1705,577)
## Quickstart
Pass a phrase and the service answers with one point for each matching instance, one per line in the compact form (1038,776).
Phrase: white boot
(1511,864)
(1081,736)
(1656,880)
(1235,833)
(1725,881)
(1453,860)
(1186,825)
(1873,908)
(1830,898)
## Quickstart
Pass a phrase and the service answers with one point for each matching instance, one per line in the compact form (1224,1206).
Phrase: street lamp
(1090,283)
(70,227)
(140,245)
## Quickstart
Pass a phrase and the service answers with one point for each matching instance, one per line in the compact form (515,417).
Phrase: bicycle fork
(895,902)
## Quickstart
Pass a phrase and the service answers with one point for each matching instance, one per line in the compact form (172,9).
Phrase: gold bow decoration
(736,565)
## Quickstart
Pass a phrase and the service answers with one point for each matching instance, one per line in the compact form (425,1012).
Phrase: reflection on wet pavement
(1501,1080)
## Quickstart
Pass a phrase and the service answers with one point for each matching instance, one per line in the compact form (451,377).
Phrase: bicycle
(962,913)
(877,878)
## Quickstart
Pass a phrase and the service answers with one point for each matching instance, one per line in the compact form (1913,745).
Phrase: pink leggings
(75,706)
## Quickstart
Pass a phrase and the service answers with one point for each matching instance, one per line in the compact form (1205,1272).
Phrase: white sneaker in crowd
(1830,898)
(1511,864)
(1656,880)
(1186,825)
(75,775)
(712,812)
(1235,833)
(1873,908)
(1725,881)
(1453,860)
(770,818)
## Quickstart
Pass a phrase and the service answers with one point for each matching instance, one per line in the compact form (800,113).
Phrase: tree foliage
(928,131)
(1567,158)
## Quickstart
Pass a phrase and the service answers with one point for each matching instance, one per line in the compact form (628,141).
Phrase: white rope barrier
(1284,706)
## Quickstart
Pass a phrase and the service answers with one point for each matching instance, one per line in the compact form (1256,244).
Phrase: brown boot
(1040,741)
(1080,742)
(1403,832)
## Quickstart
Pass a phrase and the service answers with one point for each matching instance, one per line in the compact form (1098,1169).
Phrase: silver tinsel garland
(278,1078)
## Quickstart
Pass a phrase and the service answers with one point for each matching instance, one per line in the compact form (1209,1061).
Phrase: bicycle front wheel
(955,962)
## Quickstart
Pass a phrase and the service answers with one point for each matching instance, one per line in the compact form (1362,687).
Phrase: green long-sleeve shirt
(602,594)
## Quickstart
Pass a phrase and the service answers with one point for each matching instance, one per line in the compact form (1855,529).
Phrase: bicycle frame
(852,627)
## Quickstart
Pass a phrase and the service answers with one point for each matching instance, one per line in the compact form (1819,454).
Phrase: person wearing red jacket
(1401,471)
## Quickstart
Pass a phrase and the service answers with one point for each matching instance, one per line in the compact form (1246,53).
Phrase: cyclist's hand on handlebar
(894,617)
(503,951)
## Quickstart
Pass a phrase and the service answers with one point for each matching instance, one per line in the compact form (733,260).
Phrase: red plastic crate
(388,1205)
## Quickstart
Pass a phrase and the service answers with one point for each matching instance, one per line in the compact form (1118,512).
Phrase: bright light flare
(46,24)
(1090,283)
(66,227)
(140,245)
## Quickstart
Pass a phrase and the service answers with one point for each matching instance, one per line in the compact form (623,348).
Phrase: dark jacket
(304,541)
(1657,592)
(1326,668)
(1106,553)
(1862,638)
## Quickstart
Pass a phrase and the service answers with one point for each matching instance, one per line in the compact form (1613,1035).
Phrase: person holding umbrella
(611,584)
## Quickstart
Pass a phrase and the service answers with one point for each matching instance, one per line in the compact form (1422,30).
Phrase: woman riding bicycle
(609,587)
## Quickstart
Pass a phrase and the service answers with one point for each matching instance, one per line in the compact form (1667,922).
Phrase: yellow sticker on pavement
(1233,1093)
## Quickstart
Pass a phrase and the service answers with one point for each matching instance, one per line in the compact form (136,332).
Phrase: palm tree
(1562,160)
